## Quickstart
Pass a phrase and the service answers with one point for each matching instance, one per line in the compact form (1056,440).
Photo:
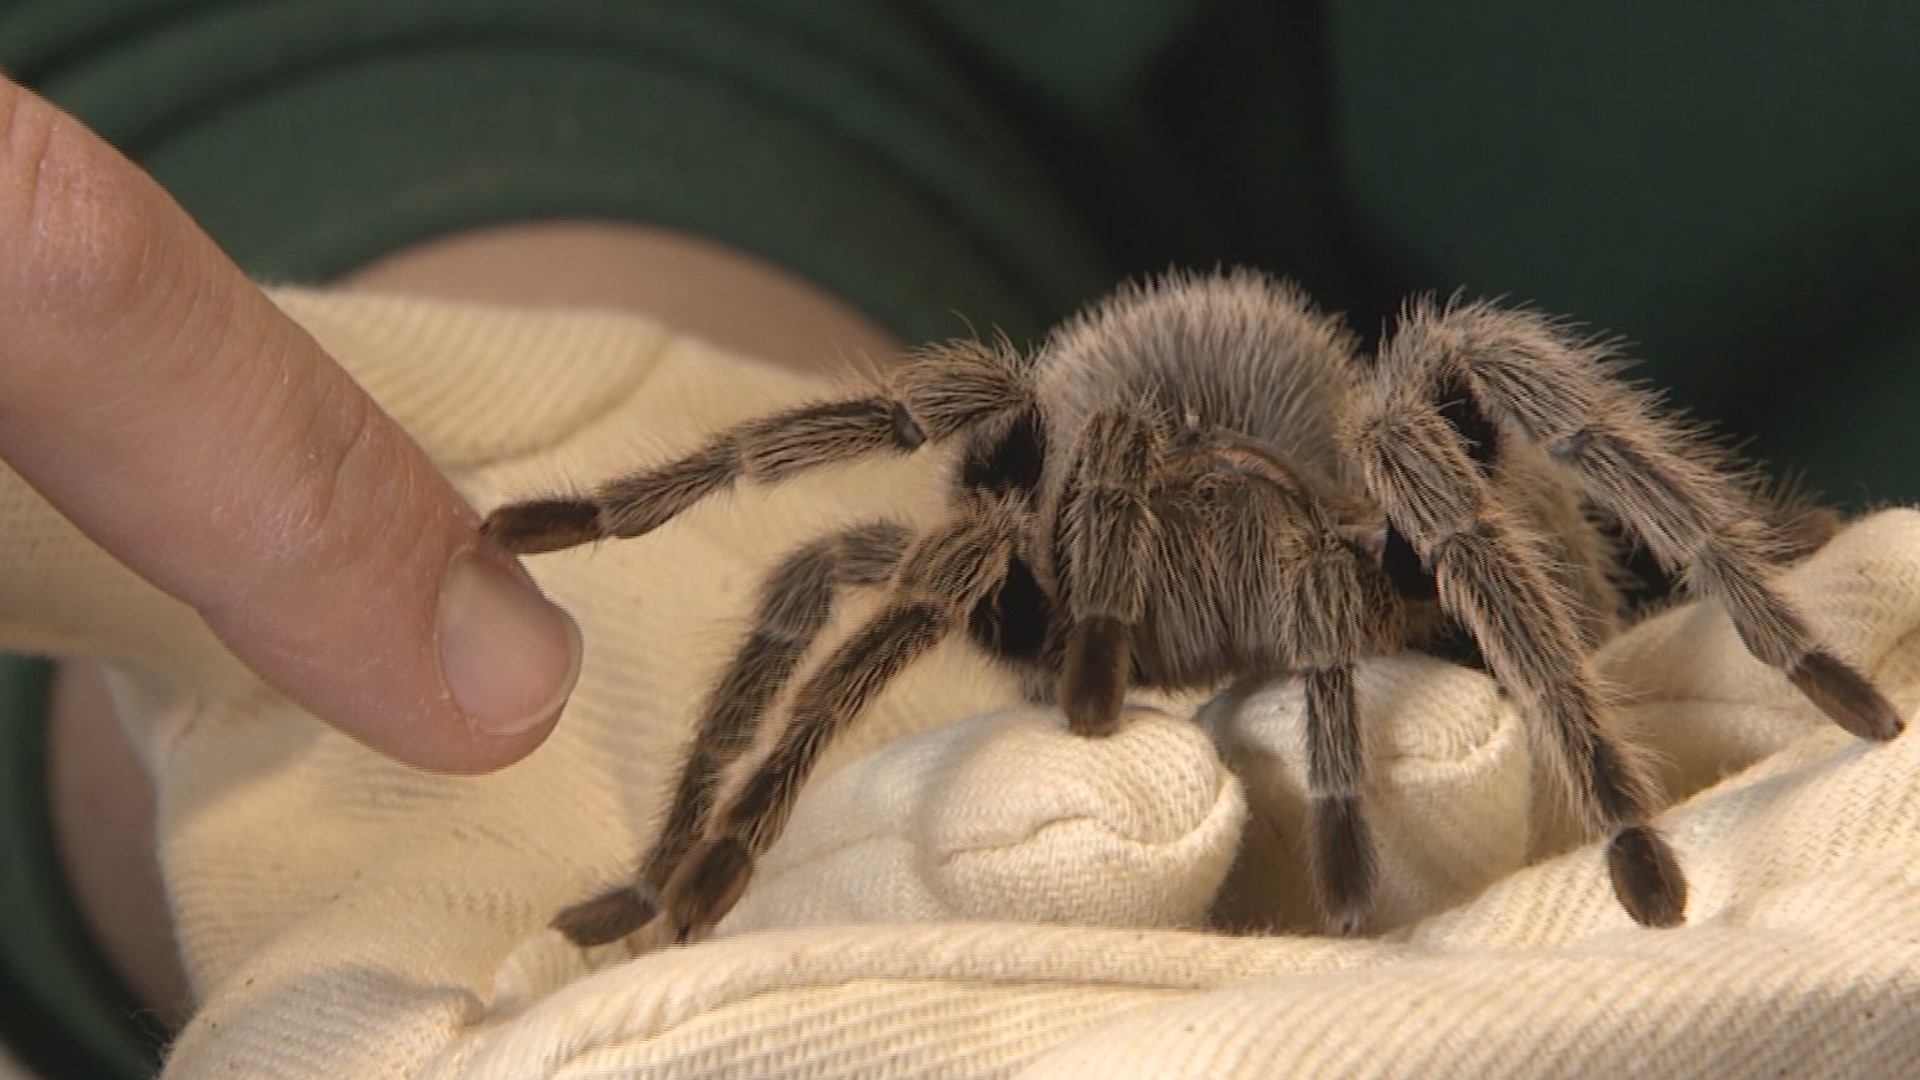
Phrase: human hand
(154,396)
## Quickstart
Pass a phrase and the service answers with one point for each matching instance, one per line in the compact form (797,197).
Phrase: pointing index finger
(162,403)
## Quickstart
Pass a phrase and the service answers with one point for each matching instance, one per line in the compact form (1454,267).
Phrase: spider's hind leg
(795,602)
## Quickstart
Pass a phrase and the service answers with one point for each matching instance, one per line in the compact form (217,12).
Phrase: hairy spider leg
(937,393)
(940,580)
(795,603)
(1661,478)
(1015,623)
(1105,522)
(1300,598)
(1488,569)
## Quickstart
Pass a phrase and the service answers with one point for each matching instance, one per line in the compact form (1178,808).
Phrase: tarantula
(1202,482)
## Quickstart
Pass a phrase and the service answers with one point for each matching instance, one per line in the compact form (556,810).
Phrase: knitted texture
(964,889)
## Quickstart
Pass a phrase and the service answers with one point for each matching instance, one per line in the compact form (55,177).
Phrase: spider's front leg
(937,393)
(1106,540)
(1301,597)
(938,583)
(1338,608)
(1490,576)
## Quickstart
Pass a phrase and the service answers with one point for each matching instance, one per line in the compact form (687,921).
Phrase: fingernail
(509,657)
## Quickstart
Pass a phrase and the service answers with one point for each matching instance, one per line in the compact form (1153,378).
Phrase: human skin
(167,408)
(109,285)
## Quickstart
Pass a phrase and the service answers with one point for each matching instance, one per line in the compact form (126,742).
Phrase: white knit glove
(965,890)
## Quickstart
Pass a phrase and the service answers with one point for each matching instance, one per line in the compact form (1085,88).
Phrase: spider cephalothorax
(1203,483)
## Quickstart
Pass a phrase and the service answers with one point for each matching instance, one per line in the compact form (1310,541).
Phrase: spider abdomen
(1239,352)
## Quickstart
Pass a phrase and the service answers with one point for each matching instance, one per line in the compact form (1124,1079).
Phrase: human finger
(161,402)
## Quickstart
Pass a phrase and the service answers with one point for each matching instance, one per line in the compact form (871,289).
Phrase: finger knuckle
(311,525)
(347,497)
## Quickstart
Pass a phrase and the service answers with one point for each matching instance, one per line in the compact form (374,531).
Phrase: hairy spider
(1202,482)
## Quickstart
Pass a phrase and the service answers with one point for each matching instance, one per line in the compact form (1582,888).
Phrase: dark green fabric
(62,1012)
(311,135)
(1730,194)
(1732,190)
(1736,189)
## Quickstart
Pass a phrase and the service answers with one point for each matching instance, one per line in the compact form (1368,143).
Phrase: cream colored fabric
(964,889)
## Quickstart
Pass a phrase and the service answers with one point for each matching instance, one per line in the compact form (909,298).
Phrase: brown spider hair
(1202,482)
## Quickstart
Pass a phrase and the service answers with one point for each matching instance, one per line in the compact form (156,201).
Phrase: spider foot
(1846,696)
(1093,682)
(1646,877)
(707,884)
(608,917)
(1343,864)
(541,525)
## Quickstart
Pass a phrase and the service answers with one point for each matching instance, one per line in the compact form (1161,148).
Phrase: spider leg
(1665,482)
(933,592)
(794,605)
(1106,523)
(1338,609)
(1584,560)
(936,393)
(1341,854)
(1318,606)
(1489,573)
